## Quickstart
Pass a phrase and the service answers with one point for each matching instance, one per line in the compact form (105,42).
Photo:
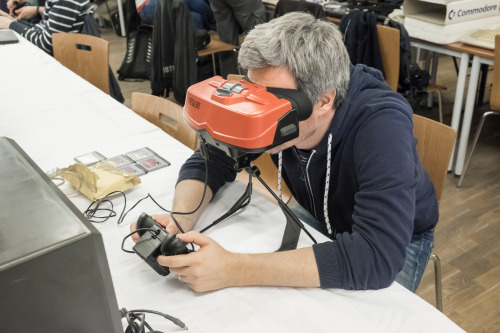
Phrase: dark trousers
(234,17)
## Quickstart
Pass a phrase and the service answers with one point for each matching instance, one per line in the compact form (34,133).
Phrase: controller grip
(171,246)
(145,222)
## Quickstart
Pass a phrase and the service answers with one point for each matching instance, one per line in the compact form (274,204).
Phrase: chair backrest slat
(87,56)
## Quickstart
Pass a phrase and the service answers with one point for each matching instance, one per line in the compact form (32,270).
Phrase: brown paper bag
(98,180)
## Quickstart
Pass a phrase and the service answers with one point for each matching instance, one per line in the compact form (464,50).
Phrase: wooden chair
(234,77)
(388,39)
(435,144)
(87,56)
(216,46)
(165,114)
(494,106)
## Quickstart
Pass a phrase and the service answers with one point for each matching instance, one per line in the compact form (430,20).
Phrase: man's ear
(326,101)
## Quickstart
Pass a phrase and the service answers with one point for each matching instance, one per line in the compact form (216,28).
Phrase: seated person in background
(22,10)
(378,206)
(59,16)
(201,13)
(234,17)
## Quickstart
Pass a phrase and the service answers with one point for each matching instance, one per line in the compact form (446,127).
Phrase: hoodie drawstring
(327,181)
(327,184)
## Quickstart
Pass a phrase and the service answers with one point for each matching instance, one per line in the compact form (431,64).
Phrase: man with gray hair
(353,169)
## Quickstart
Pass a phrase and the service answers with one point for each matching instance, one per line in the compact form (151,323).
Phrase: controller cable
(136,320)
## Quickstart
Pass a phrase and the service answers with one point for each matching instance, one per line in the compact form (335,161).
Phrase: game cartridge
(134,169)
(90,158)
(118,161)
(140,154)
(153,163)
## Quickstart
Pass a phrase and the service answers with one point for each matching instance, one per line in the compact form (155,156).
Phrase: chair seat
(216,46)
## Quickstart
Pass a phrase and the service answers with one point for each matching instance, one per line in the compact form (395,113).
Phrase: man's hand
(12,5)
(26,12)
(5,21)
(209,268)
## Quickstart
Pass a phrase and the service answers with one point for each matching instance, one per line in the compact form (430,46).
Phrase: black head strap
(297,98)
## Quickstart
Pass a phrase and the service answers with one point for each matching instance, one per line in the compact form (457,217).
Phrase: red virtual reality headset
(240,117)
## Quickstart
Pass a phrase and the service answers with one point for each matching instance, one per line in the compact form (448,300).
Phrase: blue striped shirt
(59,16)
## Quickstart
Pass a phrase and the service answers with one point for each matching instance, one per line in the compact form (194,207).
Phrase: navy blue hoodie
(378,196)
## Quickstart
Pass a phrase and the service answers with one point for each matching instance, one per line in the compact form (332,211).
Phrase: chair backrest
(495,90)
(87,56)
(435,144)
(165,114)
(388,40)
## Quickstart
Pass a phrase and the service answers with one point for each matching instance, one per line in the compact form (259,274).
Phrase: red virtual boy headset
(240,117)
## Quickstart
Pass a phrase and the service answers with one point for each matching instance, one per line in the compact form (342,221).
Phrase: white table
(477,61)
(480,56)
(54,115)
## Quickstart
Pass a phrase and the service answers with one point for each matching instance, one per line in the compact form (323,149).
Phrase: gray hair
(311,49)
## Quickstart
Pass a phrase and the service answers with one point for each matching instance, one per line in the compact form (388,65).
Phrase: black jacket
(174,51)
(361,39)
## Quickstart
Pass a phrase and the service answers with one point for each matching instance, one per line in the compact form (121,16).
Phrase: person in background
(58,16)
(3,6)
(234,17)
(201,13)
(354,171)
(31,11)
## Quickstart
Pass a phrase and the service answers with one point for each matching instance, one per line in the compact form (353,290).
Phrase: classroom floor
(466,237)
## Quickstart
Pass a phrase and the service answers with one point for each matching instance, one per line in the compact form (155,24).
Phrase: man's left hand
(5,20)
(209,268)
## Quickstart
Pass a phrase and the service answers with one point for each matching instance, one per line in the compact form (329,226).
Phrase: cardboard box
(446,12)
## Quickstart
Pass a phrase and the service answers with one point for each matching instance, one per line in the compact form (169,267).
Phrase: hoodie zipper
(308,182)
(306,178)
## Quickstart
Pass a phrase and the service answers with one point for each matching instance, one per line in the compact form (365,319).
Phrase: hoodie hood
(367,93)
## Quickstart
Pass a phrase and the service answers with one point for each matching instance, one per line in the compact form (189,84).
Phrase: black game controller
(156,241)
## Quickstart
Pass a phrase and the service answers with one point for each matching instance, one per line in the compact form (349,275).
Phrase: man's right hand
(26,12)
(12,5)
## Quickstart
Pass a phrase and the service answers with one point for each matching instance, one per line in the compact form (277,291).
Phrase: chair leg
(213,64)
(440,104)
(110,17)
(437,279)
(476,137)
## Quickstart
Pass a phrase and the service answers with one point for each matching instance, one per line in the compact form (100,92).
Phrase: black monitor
(54,275)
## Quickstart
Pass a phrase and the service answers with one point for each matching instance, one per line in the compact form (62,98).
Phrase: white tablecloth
(54,116)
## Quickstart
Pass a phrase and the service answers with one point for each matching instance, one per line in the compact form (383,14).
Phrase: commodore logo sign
(452,14)
(472,13)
